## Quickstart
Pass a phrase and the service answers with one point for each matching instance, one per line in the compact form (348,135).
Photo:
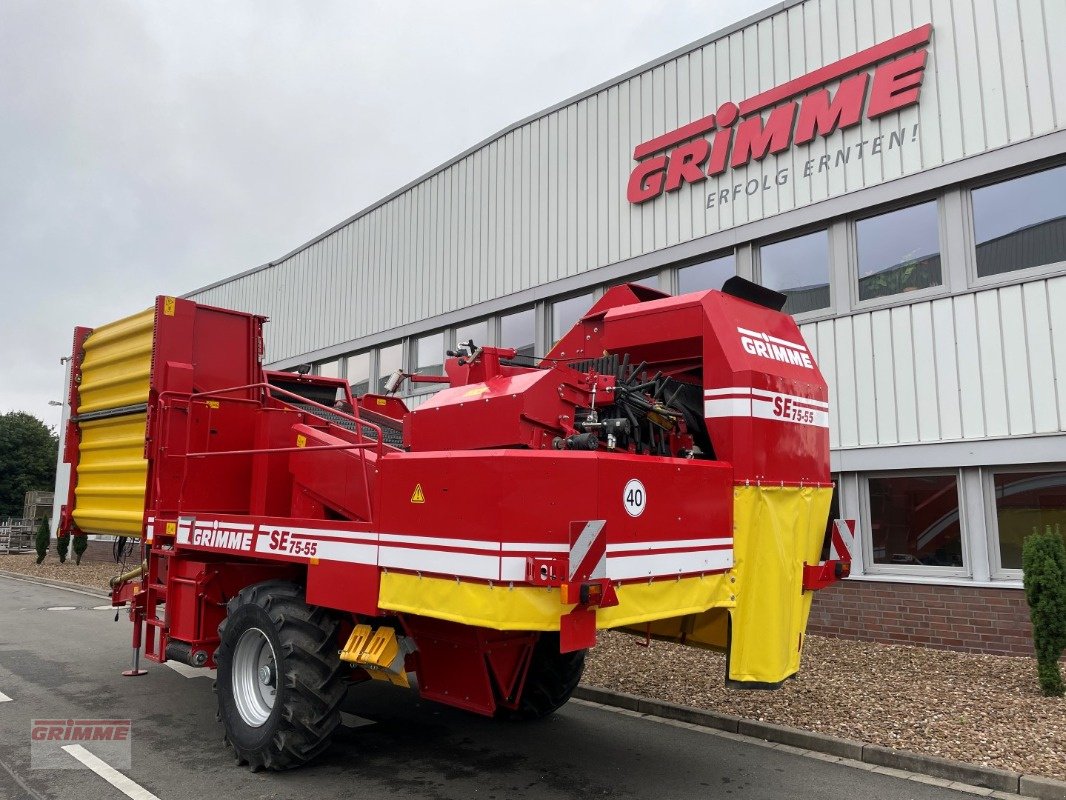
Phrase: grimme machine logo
(736,134)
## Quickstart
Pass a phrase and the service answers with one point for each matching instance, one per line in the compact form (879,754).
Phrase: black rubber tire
(552,678)
(310,677)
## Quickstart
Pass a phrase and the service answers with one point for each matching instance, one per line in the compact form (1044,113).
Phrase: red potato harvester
(664,469)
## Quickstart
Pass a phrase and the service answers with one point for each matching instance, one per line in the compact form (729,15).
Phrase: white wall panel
(546,200)
(978,365)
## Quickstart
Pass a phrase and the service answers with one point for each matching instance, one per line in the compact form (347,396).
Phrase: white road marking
(104,608)
(190,672)
(125,785)
(4,698)
(61,608)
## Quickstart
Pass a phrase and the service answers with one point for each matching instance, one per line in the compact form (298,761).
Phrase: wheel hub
(254,677)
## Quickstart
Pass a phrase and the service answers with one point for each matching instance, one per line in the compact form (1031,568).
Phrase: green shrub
(1044,574)
(62,545)
(80,543)
(42,540)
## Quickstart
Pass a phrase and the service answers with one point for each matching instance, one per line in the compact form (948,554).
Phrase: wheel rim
(255,677)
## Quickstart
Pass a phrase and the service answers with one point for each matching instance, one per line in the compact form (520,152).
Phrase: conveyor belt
(391,429)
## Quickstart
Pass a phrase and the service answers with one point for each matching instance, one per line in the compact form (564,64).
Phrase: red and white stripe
(588,553)
(744,401)
(842,540)
(479,559)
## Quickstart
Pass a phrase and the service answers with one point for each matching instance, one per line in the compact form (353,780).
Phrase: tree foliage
(28,450)
(62,545)
(80,545)
(1044,575)
(43,539)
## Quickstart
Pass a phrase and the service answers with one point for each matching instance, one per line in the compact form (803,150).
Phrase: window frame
(978,282)
(593,294)
(988,486)
(899,298)
(690,263)
(872,568)
(757,245)
(376,378)
(347,357)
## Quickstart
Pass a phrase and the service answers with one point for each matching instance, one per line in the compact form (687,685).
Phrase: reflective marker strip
(588,553)
(125,785)
(842,540)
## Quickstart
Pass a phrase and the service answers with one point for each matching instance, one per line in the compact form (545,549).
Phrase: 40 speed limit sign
(634,498)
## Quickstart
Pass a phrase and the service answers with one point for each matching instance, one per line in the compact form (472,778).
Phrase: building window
(709,274)
(567,312)
(899,251)
(329,369)
(390,359)
(358,373)
(1020,223)
(1026,501)
(798,268)
(429,353)
(478,331)
(914,521)
(518,331)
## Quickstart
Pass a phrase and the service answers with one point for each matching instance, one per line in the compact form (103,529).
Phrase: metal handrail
(268,390)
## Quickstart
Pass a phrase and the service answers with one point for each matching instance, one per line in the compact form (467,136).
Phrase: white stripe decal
(729,407)
(744,390)
(504,561)
(768,405)
(532,547)
(125,785)
(468,564)
(620,568)
(747,391)
(677,544)
(469,544)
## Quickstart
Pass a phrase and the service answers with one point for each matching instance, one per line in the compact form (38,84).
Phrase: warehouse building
(896,168)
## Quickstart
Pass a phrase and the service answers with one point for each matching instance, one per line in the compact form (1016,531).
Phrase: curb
(987,777)
(74,587)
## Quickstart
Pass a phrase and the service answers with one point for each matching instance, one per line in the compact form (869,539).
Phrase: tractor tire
(551,680)
(280,680)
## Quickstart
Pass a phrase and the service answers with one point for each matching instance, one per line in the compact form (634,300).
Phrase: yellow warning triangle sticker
(416,495)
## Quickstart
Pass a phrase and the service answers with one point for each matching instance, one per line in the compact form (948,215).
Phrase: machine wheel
(552,678)
(280,680)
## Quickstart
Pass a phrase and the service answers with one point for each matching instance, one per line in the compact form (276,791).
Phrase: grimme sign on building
(737,134)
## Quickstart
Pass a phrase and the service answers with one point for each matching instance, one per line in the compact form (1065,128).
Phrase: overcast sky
(150,148)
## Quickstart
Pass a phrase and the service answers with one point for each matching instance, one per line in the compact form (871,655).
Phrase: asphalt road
(65,664)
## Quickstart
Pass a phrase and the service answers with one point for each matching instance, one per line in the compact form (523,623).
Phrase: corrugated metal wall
(989,363)
(547,200)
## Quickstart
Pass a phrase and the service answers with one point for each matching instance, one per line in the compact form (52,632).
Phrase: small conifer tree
(1044,575)
(62,545)
(80,543)
(42,540)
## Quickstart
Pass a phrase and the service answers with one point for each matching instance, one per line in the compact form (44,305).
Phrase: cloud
(151,148)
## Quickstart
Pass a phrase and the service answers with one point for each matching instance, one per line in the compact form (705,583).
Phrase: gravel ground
(93,575)
(978,708)
(982,709)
